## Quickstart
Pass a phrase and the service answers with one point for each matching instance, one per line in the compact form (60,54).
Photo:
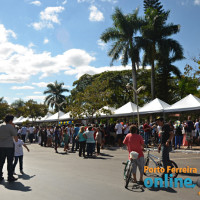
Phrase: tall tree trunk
(134,77)
(153,72)
(152,81)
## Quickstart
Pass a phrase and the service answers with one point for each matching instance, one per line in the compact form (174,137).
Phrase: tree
(155,36)
(34,110)
(125,27)
(18,108)
(55,97)
(154,4)
(4,108)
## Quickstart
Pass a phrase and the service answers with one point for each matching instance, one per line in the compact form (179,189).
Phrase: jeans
(9,154)
(75,142)
(165,157)
(146,138)
(90,148)
(82,148)
(20,158)
(178,140)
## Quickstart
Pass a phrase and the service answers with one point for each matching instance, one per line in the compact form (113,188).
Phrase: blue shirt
(81,138)
(76,130)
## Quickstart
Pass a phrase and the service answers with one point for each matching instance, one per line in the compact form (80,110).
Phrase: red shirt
(146,128)
(134,142)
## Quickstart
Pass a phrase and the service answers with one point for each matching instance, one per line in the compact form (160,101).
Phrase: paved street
(60,176)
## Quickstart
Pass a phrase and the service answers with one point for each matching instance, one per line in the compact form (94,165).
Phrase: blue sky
(47,40)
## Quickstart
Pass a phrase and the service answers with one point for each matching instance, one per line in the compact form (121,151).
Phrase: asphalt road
(60,176)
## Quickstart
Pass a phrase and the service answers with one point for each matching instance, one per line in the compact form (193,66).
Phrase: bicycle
(159,163)
(128,168)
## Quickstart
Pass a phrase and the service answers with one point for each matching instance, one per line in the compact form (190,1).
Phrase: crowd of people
(92,138)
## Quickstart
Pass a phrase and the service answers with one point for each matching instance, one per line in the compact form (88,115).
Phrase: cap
(159,118)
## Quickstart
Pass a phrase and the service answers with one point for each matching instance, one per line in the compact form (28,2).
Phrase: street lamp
(129,86)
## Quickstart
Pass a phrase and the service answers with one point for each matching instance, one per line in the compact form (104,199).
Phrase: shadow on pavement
(136,188)
(25,176)
(107,155)
(153,189)
(16,186)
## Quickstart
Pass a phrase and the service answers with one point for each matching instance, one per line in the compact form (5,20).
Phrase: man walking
(165,145)
(7,133)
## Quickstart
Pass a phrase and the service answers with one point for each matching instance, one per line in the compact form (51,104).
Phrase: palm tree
(55,97)
(155,35)
(125,27)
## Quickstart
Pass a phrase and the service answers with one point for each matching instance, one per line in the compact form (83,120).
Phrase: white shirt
(118,128)
(19,148)
(197,126)
(31,130)
(126,129)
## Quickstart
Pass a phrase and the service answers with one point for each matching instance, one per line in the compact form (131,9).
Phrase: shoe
(21,171)
(140,182)
(12,179)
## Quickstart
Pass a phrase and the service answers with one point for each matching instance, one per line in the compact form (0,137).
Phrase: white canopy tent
(126,110)
(190,102)
(65,116)
(18,121)
(45,117)
(155,106)
(54,117)
(104,114)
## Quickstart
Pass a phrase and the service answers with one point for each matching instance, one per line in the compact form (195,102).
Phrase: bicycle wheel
(125,169)
(146,163)
(128,175)
(174,166)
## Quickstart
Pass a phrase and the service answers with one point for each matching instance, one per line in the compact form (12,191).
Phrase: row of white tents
(188,103)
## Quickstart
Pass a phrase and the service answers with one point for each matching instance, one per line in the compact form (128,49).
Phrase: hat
(159,118)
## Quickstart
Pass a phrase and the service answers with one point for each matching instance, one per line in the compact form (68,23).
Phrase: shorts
(140,163)
(189,136)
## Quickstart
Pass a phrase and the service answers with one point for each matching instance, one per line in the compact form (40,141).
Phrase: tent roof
(126,109)
(154,106)
(45,117)
(55,116)
(19,120)
(190,102)
(101,113)
(65,116)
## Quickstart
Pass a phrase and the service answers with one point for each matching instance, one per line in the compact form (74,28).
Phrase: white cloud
(110,1)
(95,14)
(197,2)
(37,92)
(102,45)
(19,63)
(5,34)
(48,17)
(41,98)
(41,84)
(36,3)
(31,45)
(66,86)
(64,2)
(22,88)
(46,41)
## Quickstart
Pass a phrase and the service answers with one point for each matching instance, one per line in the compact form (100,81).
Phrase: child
(19,155)
(65,140)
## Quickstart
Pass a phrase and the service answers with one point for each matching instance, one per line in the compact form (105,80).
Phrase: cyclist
(134,142)
(165,145)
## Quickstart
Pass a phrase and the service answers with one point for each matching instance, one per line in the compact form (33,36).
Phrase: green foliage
(55,97)
(4,108)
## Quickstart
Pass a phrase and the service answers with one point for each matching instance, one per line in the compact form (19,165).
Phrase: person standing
(165,145)
(74,141)
(7,134)
(178,136)
(19,155)
(134,142)
(89,135)
(82,141)
(118,129)
(23,133)
(147,130)
(189,127)
(196,126)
